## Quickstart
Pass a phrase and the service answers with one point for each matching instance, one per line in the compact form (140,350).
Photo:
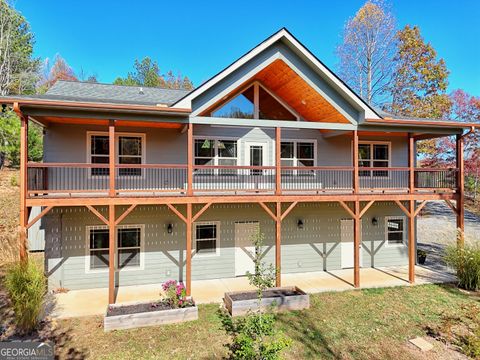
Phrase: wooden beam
(420,207)
(357,241)
(111,254)
(178,213)
(411,163)
(190,160)
(347,208)
(23,183)
(278,163)
(201,211)
(460,193)
(188,247)
(449,203)
(411,242)
(287,211)
(100,216)
(366,208)
(39,216)
(404,209)
(125,214)
(278,245)
(111,157)
(356,183)
(268,211)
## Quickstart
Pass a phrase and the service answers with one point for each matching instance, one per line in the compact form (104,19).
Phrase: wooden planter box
(282,298)
(149,318)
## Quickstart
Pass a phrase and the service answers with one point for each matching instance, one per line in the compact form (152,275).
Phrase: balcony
(93,180)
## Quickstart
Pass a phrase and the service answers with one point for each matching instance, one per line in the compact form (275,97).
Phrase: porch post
(278,171)
(190,160)
(355,162)
(411,242)
(111,157)
(111,254)
(188,250)
(23,185)
(356,245)
(278,244)
(460,193)
(411,163)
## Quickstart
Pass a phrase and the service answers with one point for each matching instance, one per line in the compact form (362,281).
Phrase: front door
(244,250)
(346,238)
(255,155)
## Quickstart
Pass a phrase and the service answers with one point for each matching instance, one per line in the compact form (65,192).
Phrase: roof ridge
(130,86)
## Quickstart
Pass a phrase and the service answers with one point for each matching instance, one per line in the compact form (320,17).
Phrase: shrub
(176,294)
(14,181)
(25,283)
(466,262)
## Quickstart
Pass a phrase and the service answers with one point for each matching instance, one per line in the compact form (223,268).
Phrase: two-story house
(139,185)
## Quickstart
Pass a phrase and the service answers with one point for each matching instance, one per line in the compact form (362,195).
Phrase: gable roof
(108,93)
(288,39)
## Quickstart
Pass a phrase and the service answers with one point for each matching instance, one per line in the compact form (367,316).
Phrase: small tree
(255,336)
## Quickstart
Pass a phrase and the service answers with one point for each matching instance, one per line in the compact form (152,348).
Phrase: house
(139,185)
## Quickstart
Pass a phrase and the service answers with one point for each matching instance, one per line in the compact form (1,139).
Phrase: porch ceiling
(295,91)
(47,120)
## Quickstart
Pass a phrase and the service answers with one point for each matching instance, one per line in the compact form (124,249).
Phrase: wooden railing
(77,179)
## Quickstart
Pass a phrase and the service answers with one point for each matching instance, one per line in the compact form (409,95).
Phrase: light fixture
(170,228)
(374,221)
(300,224)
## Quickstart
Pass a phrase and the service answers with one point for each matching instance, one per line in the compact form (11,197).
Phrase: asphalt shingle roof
(108,93)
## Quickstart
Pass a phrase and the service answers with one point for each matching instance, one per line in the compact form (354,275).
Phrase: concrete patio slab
(94,301)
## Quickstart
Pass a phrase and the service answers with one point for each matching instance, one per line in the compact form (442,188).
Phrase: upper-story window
(372,155)
(130,150)
(255,102)
(216,152)
(297,153)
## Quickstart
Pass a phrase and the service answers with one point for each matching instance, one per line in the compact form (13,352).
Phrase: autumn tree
(367,51)
(60,70)
(18,68)
(147,73)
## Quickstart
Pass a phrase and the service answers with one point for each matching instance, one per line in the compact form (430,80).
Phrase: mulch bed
(139,308)
(250,295)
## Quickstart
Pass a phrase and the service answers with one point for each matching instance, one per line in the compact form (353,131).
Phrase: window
(129,247)
(372,155)
(216,152)
(130,151)
(297,153)
(255,102)
(395,230)
(207,238)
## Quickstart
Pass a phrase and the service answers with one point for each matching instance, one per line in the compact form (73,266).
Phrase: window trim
(371,160)
(215,155)
(295,158)
(217,242)
(88,228)
(395,217)
(256,106)
(117,151)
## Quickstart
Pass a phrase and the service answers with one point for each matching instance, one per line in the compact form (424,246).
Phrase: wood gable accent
(286,84)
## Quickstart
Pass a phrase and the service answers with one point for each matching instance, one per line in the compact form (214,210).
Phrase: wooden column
(411,163)
(190,160)
(111,157)
(357,240)
(278,163)
(188,250)
(356,184)
(278,244)
(111,254)
(23,187)
(411,242)
(460,193)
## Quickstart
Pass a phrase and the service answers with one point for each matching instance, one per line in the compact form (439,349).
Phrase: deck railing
(77,179)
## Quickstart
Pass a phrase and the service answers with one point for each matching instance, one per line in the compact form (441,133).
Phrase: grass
(367,324)
(9,219)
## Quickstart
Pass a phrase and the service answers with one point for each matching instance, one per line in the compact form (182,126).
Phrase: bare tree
(367,51)
(6,59)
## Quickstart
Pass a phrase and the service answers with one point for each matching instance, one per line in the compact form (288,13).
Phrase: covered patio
(94,301)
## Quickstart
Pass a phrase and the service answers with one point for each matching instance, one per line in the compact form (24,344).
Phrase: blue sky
(199,38)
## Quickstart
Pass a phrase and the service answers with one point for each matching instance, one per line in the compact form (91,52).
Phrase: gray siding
(164,253)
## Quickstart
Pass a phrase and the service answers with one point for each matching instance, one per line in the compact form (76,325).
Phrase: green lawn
(368,324)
